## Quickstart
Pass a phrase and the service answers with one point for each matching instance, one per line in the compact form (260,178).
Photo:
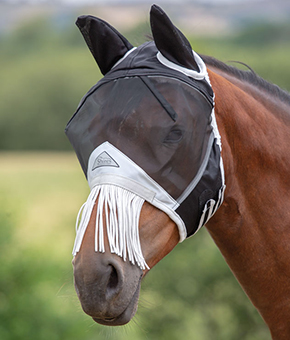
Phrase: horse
(247,207)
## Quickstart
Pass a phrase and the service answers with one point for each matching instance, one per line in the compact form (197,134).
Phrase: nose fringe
(117,217)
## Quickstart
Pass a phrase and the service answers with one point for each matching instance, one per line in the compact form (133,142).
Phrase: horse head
(147,141)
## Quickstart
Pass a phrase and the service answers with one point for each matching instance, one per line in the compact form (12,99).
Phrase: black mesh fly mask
(146,132)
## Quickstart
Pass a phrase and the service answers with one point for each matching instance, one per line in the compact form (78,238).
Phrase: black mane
(250,77)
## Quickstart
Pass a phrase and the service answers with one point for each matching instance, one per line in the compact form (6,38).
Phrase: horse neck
(252,227)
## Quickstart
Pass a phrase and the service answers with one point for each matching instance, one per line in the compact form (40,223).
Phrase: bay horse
(249,220)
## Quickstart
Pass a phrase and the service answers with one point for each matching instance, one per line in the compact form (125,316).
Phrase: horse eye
(174,136)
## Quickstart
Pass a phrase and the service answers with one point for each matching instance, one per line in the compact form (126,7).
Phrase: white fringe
(120,210)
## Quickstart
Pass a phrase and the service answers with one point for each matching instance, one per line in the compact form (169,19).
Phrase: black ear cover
(172,44)
(106,44)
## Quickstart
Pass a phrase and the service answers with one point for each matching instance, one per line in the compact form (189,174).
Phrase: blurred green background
(45,69)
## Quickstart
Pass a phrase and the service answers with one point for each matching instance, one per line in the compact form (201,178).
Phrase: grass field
(191,294)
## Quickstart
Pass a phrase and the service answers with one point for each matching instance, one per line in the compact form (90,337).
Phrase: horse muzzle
(108,287)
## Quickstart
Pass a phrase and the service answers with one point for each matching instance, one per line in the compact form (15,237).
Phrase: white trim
(215,129)
(124,57)
(199,174)
(202,74)
(174,217)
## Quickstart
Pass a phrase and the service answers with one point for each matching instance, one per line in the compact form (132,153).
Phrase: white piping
(124,56)
(202,74)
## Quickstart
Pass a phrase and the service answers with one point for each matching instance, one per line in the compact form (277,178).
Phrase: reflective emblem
(104,159)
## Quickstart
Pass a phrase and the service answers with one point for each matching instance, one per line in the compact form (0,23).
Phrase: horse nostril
(113,280)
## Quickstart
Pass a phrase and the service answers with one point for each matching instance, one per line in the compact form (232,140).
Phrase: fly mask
(146,132)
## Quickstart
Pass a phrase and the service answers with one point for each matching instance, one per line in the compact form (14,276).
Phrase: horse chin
(125,316)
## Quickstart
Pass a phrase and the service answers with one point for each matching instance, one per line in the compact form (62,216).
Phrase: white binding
(202,74)
(125,56)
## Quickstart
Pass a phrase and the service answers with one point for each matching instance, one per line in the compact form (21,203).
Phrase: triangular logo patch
(104,159)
